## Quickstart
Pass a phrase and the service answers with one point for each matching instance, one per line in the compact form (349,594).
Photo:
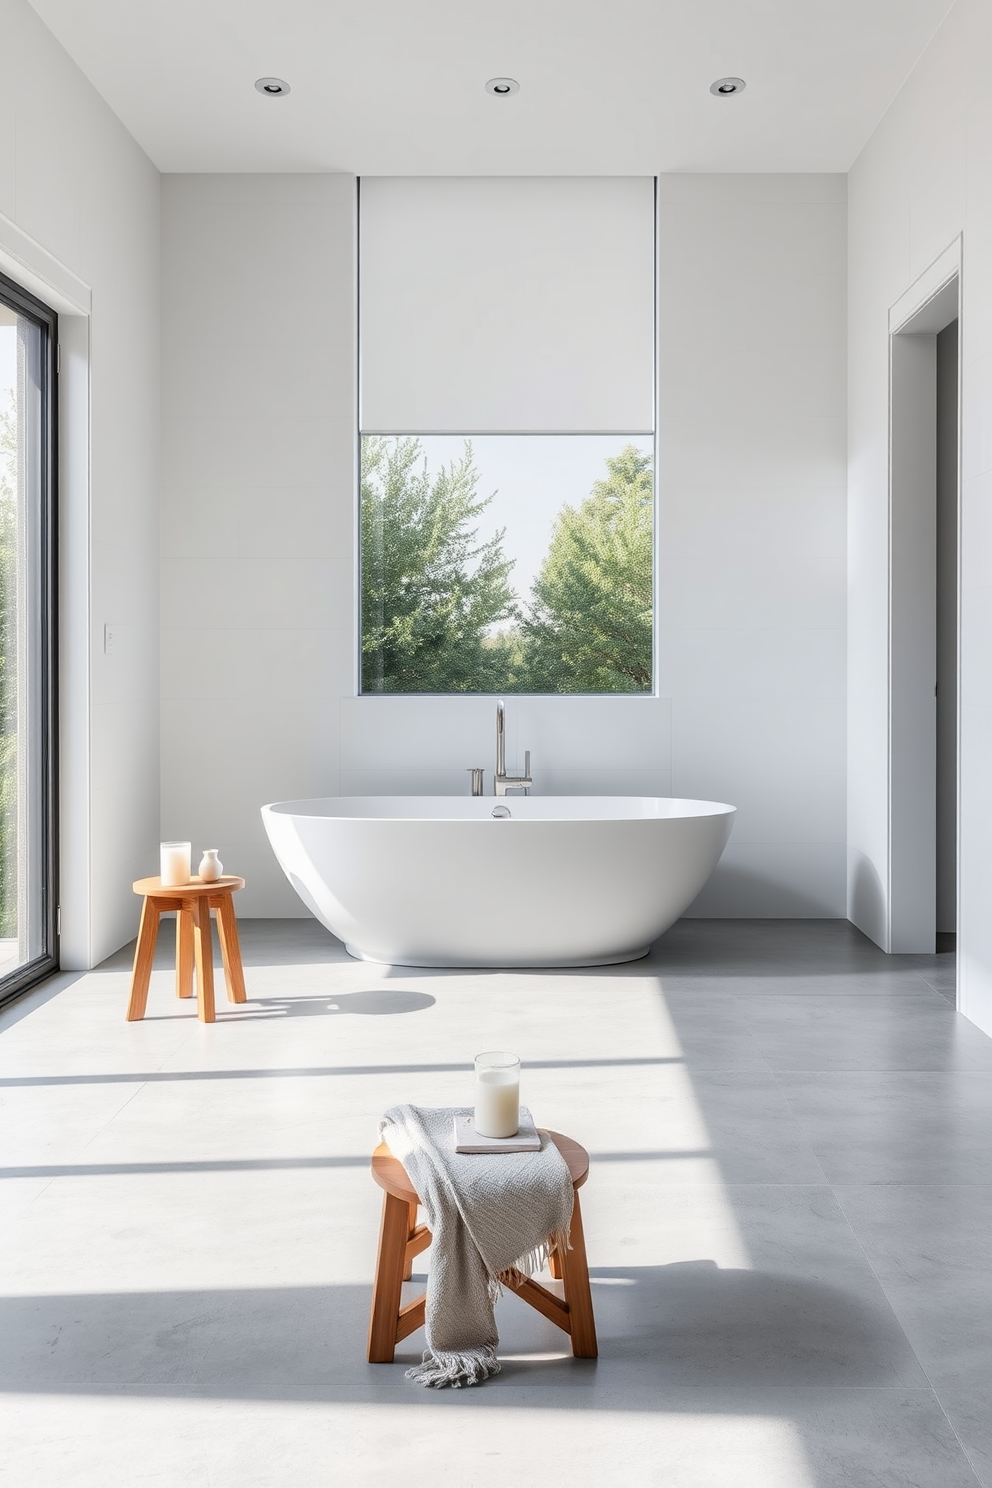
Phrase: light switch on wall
(109,638)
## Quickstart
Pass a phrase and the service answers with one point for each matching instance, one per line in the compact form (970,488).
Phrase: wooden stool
(401,1238)
(191,905)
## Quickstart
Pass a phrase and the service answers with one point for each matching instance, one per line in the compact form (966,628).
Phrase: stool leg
(554,1264)
(204,951)
(388,1287)
(184,953)
(414,1210)
(144,955)
(575,1275)
(230,948)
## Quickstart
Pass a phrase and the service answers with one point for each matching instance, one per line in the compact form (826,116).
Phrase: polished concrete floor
(789,1222)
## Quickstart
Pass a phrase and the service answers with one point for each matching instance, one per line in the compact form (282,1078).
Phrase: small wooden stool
(401,1238)
(191,905)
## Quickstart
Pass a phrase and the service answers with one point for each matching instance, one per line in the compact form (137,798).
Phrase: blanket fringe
(534,1260)
(439,1369)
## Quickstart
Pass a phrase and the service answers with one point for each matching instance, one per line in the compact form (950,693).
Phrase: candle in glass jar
(174,859)
(497,1094)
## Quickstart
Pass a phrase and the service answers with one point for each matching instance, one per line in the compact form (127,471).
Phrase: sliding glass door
(28,886)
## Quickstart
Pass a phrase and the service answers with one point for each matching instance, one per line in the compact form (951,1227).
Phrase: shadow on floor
(684,1324)
(691,948)
(372,1003)
(775,948)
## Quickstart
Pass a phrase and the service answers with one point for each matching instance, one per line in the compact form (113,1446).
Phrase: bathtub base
(503,963)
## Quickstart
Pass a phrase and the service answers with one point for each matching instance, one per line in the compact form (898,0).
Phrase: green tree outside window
(439,612)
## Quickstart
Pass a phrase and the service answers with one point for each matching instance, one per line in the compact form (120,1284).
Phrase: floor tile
(911,984)
(770,948)
(826,1033)
(712,1028)
(931,1249)
(903,1127)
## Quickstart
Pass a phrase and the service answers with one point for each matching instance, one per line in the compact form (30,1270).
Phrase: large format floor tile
(931,1249)
(786,1221)
(904,1127)
(899,1032)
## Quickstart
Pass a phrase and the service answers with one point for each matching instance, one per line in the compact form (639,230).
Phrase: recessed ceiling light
(502,87)
(727,87)
(272,87)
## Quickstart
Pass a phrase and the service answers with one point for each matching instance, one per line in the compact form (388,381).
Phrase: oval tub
(437,881)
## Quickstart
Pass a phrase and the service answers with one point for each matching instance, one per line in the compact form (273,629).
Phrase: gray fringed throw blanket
(487,1212)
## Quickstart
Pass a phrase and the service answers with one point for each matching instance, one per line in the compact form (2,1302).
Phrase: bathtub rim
(485,804)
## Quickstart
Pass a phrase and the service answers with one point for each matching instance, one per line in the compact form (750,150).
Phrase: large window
(28,896)
(507,416)
(507,563)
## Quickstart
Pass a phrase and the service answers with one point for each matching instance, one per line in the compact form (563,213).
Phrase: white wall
(751,460)
(922,179)
(258,499)
(257,525)
(579,746)
(79,225)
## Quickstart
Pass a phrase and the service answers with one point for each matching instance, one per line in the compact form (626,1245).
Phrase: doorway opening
(924,624)
(946,913)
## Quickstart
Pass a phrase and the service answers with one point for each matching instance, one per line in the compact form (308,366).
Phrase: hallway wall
(922,180)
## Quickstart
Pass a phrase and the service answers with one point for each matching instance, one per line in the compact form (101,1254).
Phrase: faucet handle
(527,763)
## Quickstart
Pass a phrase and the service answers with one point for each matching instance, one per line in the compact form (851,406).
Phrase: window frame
(27,976)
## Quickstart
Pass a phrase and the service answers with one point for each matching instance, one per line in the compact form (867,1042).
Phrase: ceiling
(396,87)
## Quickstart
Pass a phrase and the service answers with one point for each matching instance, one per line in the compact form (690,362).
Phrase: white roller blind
(497,304)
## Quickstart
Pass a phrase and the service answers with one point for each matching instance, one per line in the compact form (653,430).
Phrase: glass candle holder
(497,1094)
(174,863)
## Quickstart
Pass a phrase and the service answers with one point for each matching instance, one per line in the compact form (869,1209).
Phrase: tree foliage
(439,613)
(432,594)
(590,623)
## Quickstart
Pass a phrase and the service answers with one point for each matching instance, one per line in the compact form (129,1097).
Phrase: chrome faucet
(504,782)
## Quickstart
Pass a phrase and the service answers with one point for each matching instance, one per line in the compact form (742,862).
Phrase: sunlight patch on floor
(272,1444)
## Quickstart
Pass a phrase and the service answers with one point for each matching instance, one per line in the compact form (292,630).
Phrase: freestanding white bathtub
(438,881)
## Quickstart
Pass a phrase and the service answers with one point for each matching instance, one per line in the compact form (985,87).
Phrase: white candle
(174,858)
(497,1094)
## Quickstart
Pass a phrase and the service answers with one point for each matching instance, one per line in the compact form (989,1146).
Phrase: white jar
(174,864)
(211,867)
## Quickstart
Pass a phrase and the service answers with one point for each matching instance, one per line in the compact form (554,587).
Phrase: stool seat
(191,903)
(391,1175)
(229,883)
(401,1238)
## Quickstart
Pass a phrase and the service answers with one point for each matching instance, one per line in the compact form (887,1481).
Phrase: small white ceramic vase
(211,866)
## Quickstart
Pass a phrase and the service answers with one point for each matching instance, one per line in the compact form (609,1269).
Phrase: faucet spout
(501,781)
(500,740)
